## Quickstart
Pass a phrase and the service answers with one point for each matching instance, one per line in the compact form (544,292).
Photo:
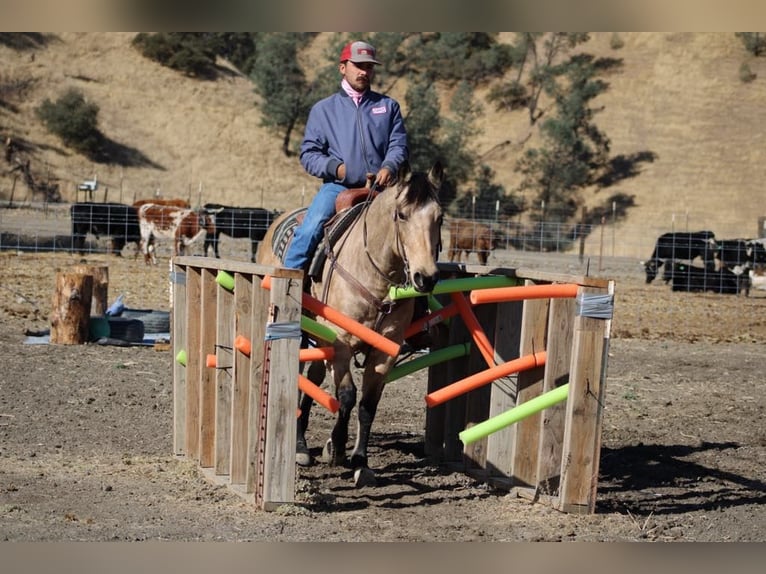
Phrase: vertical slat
(579,459)
(240,392)
(503,395)
(178,339)
(559,351)
(279,454)
(477,401)
(209,307)
(260,314)
(223,378)
(435,416)
(454,409)
(193,365)
(525,439)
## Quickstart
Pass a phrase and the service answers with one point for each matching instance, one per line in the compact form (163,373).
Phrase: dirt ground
(86,436)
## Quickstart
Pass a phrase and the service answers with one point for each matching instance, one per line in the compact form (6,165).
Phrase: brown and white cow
(185,226)
(467,235)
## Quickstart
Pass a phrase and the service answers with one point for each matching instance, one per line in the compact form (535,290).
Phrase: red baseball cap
(358,52)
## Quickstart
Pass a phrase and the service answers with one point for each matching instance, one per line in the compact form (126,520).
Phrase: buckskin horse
(394,240)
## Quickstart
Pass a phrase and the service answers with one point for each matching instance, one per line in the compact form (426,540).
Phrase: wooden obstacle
(551,455)
(238,422)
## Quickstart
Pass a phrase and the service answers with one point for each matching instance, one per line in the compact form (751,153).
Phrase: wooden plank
(178,341)
(223,378)
(236,266)
(477,401)
(260,315)
(533,339)
(281,424)
(240,392)
(582,430)
(193,364)
(454,410)
(537,275)
(503,394)
(559,353)
(208,309)
(436,416)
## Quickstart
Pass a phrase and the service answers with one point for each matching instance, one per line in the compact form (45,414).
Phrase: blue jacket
(366,138)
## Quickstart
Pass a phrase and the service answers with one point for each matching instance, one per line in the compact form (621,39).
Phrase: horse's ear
(436,174)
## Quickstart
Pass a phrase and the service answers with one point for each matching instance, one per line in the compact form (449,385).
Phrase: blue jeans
(309,233)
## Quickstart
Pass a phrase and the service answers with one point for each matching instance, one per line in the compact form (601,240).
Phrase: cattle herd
(690,261)
(146,220)
(697,261)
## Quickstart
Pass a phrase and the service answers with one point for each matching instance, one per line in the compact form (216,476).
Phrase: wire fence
(660,309)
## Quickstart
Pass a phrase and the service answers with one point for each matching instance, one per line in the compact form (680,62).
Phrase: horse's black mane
(420,191)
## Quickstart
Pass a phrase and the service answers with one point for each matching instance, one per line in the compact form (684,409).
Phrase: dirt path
(86,439)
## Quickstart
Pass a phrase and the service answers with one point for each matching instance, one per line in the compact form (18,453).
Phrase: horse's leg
(372,389)
(316,374)
(345,392)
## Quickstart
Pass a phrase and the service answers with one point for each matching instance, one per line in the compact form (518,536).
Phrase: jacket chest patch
(379,110)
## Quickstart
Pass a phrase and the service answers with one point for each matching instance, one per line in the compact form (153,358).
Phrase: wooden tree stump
(100,295)
(71,309)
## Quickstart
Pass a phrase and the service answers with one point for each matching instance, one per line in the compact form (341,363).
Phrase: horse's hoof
(364,477)
(331,456)
(328,452)
(303,459)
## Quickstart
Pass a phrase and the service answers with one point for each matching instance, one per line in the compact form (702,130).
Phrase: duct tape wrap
(288,330)
(595,305)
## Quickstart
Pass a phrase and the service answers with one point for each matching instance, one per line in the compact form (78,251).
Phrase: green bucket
(98,328)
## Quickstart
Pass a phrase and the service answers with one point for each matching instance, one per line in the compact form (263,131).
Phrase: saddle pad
(283,234)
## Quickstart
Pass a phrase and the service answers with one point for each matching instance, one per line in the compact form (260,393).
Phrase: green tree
(186,52)
(574,152)
(285,95)
(754,42)
(74,119)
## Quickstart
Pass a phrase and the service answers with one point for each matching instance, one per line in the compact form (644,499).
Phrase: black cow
(686,277)
(740,255)
(237,222)
(681,246)
(116,220)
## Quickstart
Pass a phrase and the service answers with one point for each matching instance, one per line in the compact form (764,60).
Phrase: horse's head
(418,219)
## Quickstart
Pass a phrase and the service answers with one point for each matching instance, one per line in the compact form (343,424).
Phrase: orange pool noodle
(472,323)
(316,354)
(336,317)
(211,361)
(242,344)
(322,397)
(482,378)
(500,294)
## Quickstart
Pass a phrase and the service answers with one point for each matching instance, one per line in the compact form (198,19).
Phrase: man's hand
(384,178)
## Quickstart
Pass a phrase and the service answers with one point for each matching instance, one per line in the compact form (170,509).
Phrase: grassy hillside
(678,96)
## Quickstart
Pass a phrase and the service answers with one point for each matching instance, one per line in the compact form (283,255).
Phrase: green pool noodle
(428,360)
(225,280)
(181,357)
(317,329)
(514,415)
(433,303)
(455,285)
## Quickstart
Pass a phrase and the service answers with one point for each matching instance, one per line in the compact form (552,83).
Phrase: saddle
(348,206)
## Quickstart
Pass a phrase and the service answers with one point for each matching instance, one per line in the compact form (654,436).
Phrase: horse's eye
(401,216)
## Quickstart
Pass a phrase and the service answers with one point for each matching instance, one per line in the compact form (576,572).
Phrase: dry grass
(678,96)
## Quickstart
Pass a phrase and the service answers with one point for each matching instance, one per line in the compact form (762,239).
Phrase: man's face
(359,76)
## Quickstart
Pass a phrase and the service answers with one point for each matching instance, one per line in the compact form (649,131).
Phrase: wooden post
(71,309)
(100,294)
